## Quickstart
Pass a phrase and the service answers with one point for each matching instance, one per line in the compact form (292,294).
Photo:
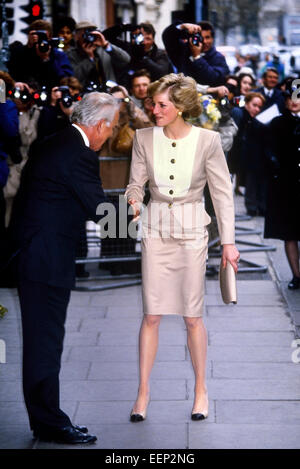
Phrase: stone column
(91,10)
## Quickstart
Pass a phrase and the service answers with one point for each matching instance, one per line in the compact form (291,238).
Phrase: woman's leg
(148,344)
(292,253)
(197,344)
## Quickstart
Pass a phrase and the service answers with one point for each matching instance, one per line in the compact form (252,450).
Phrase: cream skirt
(173,273)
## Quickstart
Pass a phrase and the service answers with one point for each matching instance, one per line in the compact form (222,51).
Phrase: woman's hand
(230,254)
(136,209)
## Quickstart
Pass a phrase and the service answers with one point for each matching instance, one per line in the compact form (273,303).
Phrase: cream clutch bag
(227,279)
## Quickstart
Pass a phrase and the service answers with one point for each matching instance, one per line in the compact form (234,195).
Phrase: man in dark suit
(61,189)
(269,91)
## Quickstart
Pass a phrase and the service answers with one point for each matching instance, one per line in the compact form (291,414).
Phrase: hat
(85,25)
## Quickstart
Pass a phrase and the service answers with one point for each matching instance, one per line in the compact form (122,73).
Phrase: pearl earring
(179,113)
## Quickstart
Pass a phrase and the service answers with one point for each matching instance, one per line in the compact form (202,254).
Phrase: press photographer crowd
(255,108)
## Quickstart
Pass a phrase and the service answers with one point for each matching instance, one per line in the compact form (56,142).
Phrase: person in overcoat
(60,189)
(283,197)
(246,156)
(177,159)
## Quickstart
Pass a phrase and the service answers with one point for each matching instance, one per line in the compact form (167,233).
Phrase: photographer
(55,115)
(190,48)
(93,58)
(39,60)
(142,49)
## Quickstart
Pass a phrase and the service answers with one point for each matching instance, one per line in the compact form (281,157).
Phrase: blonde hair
(182,93)
(254,94)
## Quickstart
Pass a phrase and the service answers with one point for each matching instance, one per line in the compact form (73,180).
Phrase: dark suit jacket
(276,98)
(60,189)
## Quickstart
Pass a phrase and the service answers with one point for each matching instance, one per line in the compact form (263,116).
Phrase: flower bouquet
(3,310)
(210,115)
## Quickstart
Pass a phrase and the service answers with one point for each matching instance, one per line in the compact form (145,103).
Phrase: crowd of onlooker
(46,77)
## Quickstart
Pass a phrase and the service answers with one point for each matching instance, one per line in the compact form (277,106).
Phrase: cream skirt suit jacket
(174,242)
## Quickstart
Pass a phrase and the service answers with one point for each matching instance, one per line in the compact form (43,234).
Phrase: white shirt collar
(84,136)
(268,92)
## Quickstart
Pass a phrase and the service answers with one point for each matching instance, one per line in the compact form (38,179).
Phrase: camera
(23,95)
(93,86)
(196,39)
(224,101)
(43,41)
(137,39)
(66,99)
(58,42)
(89,37)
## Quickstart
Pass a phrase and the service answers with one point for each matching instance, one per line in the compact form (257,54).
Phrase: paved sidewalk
(253,384)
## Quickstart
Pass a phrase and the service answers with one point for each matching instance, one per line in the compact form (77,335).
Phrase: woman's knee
(192,323)
(152,320)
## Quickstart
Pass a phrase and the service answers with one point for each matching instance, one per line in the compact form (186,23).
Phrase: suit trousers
(43,310)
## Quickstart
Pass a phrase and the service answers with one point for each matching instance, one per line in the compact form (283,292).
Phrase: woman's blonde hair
(254,94)
(182,92)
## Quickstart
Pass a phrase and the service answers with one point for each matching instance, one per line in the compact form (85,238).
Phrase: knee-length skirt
(173,275)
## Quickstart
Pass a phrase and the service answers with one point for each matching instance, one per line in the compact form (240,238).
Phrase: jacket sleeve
(138,173)
(220,188)
(212,73)
(176,50)
(61,65)
(86,185)
(158,66)
(119,57)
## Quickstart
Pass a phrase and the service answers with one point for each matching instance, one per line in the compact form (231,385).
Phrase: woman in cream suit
(177,159)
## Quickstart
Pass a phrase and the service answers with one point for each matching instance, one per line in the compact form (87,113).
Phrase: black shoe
(198,416)
(80,428)
(294,283)
(66,435)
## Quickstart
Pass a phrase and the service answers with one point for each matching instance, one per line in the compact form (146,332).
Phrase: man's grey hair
(93,107)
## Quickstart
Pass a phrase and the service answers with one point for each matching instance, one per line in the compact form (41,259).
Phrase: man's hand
(89,49)
(100,39)
(221,91)
(66,110)
(21,86)
(191,28)
(55,96)
(195,50)
(230,254)
(32,39)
